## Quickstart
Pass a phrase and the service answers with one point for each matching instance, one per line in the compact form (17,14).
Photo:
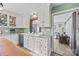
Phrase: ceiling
(22,8)
(25,8)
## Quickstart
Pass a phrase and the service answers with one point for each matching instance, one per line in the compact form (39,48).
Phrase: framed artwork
(3,19)
(12,20)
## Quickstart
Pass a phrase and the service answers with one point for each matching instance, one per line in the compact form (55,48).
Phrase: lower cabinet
(12,37)
(38,45)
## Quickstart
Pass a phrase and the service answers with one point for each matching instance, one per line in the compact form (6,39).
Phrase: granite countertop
(36,35)
(29,34)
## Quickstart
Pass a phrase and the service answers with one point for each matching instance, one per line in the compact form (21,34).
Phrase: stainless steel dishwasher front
(21,40)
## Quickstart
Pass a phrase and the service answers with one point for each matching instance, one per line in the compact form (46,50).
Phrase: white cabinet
(6,36)
(46,20)
(44,16)
(30,43)
(19,21)
(12,37)
(44,46)
(39,45)
(26,21)
(26,41)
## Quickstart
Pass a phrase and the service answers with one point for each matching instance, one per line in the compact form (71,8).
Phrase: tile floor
(62,49)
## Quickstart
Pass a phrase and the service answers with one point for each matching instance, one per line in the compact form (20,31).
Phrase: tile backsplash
(5,31)
(46,31)
(13,30)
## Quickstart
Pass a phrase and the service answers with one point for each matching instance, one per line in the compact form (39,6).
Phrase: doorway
(64,33)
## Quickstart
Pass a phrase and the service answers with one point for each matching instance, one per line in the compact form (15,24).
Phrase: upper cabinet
(19,22)
(26,21)
(43,16)
(46,19)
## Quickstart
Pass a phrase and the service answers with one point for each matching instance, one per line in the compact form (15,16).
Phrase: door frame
(52,23)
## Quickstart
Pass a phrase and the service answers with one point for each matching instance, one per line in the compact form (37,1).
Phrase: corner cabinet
(38,45)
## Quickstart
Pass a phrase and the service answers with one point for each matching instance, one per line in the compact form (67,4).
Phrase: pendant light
(1,6)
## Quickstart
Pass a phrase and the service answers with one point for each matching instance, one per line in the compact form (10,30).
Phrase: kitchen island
(38,44)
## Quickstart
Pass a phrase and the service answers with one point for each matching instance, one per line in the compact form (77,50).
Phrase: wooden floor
(8,48)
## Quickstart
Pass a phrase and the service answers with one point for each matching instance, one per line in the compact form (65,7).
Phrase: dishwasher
(21,40)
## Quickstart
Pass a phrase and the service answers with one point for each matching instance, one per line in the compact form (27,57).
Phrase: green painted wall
(65,6)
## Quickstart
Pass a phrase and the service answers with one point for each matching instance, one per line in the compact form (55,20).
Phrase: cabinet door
(30,43)
(26,42)
(19,22)
(7,37)
(14,38)
(44,46)
(34,44)
(38,44)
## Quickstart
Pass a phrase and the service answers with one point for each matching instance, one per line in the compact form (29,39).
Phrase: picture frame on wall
(12,20)
(3,19)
